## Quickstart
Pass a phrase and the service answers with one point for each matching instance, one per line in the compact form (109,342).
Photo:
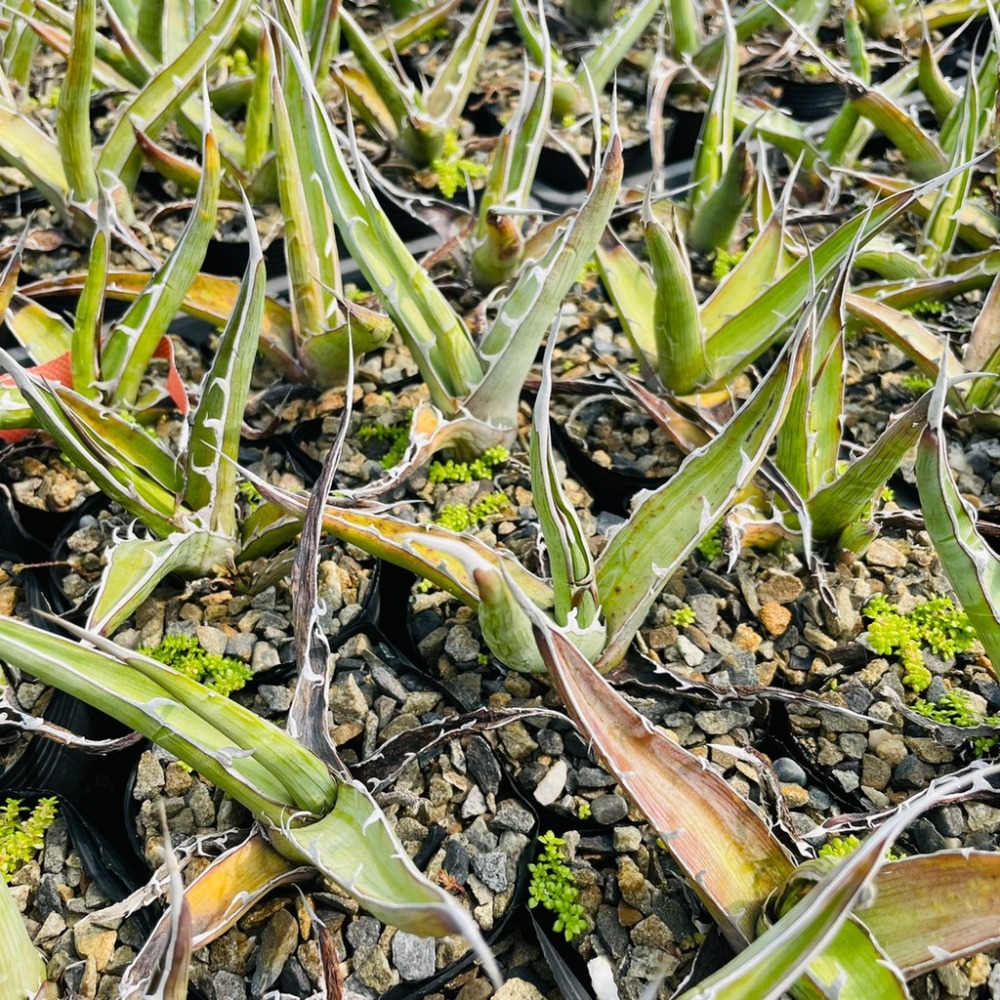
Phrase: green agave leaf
(22,971)
(446,97)
(666,525)
(571,566)
(778,129)
(308,784)
(509,348)
(972,567)
(73,110)
(151,107)
(808,443)
(923,156)
(135,337)
(437,337)
(140,703)
(417,134)
(933,909)
(713,225)
(112,438)
(941,228)
(686,30)
(680,339)
(631,289)
(210,487)
(132,488)
(766,259)
(137,566)
(354,847)
(983,80)
(745,335)
(940,94)
(87,323)
(257,134)
(313,268)
(715,142)
(923,347)
(598,66)
(842,502)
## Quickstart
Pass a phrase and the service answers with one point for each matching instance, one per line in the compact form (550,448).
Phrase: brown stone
(781,588)
(775,618)
(746,638)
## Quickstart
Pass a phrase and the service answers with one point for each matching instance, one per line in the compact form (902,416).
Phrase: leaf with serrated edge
(143,705)
(149,109)
(136,567)
(43,334)
(666,525)
(743,337)
(972,567)
(210,297)
(210,489)
(933,909)
(571,565)
(355,848)
(133,488)
(509,348)
(135,337)
(230,886)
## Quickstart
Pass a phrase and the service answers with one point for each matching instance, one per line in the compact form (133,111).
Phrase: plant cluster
(461,517)
(477,469)
(186,655)
(552,886)
(23,836)
(744,369)
(936,624)
(953,708)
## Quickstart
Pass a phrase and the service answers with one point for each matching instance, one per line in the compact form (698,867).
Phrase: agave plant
(309,816)
(186,499)
(67,169)
(601,603)
(417,122)
(803,928)
(471,385)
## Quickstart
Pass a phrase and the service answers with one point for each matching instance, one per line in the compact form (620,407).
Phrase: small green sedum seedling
(552,886)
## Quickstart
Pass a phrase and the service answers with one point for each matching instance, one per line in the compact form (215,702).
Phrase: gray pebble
(56,846)
(594,777)
(790,771)
(363,932)
(413,956)
(511,815)
(264,656)
(847,780)
(474,804)
(228,986)
(611,931)
(491,870)
(912,772)
(608,809)
(240,645)
(461,645)
(276,697)
(948,821)
(389,682)
(717,722)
